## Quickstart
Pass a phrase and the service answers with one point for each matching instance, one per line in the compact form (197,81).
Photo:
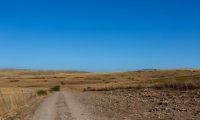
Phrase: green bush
(42,92)
(55,88)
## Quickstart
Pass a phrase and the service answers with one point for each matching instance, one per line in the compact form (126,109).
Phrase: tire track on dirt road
(61,106)
(47,109)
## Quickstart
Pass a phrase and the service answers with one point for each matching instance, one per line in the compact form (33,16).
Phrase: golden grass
(75,79)
(174,83)
(13,98)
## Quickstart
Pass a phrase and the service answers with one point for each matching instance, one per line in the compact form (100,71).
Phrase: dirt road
(61,106)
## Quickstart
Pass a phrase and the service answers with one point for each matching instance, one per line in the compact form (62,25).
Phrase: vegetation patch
(58,77)
(62,83)
(177,86)
(92,78)
(55,88)
(113,87)
(14,81)
(37,78)
(41,92)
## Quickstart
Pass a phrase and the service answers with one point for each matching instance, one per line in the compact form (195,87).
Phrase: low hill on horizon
(80,79)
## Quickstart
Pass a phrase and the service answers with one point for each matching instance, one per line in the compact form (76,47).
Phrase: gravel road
(61,106)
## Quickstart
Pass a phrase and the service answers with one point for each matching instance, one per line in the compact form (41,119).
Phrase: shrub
(62,83)
(42,92)
(89,89)
(55,88)
(14,81)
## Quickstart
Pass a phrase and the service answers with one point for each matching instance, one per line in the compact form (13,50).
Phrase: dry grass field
(19,86)
(74,79)
(13,98)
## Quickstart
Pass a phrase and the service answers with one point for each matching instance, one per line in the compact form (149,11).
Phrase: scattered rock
(165,103)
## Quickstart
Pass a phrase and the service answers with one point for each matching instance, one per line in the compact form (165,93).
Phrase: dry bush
(14,81)
(42,92)
(55,88)
(92,78)
(113,86)
(177,86)
(176,83)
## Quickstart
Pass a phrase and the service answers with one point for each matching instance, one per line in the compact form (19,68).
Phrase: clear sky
(99,35)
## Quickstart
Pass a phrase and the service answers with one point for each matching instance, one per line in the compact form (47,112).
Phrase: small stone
(165,103)
(168,110)
(174,108)
(184,110)
(157,108)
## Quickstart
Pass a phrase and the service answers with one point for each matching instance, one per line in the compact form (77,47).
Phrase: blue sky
(99,35)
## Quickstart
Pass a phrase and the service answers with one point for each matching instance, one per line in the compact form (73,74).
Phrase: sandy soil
(134,104)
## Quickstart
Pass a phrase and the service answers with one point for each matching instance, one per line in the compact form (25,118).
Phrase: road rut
(61,106)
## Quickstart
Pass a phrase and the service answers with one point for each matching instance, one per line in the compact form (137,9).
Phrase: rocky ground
(140,104)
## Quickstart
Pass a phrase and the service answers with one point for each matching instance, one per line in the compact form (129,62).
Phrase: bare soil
(133,104)
(143,104)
